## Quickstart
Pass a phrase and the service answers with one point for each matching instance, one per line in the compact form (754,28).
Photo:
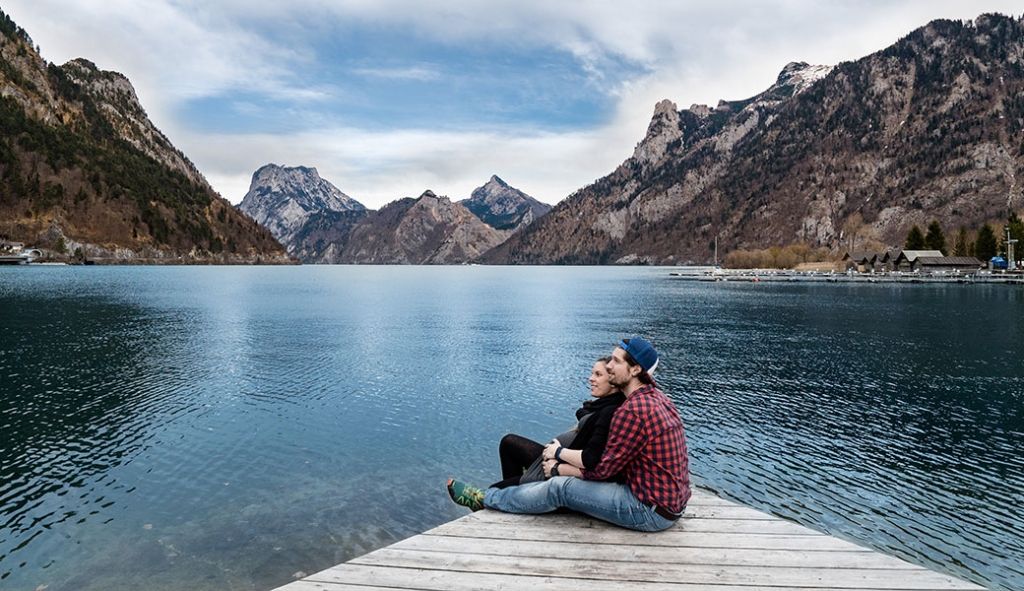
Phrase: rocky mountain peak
(504,207)
(931,127)
(282,198)
(662,131)
(797,77)
(430,229)
(86,169)
(119,105)
(495,183)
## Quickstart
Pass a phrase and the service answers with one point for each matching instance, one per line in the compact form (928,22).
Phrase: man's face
(620,372)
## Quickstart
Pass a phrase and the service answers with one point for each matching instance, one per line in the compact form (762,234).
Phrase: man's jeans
(607,501)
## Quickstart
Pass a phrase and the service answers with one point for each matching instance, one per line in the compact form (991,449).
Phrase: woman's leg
(517,453)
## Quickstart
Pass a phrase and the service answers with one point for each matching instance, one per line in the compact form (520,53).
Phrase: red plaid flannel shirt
(646,442)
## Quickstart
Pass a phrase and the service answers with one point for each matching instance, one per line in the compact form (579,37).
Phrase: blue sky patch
(386,80)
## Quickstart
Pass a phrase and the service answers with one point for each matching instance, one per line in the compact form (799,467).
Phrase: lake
(235,427)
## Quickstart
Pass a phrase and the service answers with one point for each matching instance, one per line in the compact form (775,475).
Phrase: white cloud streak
(418,73)
(690,52)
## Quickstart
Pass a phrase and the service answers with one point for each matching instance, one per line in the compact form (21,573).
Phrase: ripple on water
(183,428)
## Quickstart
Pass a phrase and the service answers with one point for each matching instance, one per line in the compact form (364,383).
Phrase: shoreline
(766,276)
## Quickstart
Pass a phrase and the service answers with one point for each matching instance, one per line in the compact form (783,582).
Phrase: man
(646,443)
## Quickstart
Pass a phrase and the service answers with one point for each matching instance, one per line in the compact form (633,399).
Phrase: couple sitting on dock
(624,463)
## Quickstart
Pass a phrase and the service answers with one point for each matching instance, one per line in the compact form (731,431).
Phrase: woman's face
(599,385)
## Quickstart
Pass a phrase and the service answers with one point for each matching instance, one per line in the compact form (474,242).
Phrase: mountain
(503,207)
(929,128)
(426,230)
(324,236)
(82,168)
(282,199)
(430,229)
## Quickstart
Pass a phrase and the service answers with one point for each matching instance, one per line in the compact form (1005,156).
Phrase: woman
(521,459)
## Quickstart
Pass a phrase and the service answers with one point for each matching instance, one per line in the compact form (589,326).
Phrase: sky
(389,98)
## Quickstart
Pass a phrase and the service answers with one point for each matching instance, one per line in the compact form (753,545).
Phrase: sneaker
(466,495)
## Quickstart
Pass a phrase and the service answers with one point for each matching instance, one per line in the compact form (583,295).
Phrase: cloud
(418,73)
(632,53)
(379,167)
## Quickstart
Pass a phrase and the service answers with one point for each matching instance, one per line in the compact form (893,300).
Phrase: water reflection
(886,418)
(183,428)
(79,396)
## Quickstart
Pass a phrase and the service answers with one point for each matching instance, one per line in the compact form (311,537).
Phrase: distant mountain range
(427,230)
(319,224)
(84,171)
(929,128)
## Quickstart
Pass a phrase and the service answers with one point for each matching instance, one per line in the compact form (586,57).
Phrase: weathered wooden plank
(719,545)
(701,511)
(671,538)
(439,580)
(696,524)
(308,585)
(836,578)
(703,497)
(528,550)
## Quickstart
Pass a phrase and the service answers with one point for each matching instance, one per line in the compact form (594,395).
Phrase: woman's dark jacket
(592,434)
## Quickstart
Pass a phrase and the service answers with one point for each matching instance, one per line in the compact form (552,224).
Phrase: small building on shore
(946,264)
(904,259)
(862,262)
(884,262)
(868,262)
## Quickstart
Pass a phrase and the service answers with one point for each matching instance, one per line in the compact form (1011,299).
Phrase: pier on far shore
(783,276)
(718,545)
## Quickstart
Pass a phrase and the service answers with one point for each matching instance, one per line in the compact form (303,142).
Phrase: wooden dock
(717,546)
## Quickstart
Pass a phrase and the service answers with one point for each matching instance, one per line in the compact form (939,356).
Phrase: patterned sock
(465,495)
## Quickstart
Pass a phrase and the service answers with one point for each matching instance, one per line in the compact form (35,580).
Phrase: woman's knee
(508,441)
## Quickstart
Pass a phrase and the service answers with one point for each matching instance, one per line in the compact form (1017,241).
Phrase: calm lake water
(229,428)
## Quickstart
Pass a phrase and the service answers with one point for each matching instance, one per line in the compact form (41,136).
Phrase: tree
(985,247)
(851,227)
(935,239)
(1016,233)
(915,240)
(962,247)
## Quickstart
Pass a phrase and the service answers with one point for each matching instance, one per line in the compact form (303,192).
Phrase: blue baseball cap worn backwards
(642,351)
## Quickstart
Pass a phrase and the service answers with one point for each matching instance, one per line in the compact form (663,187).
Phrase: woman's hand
(551,449)
(548,465)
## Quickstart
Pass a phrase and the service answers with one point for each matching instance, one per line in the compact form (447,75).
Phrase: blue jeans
(607,501)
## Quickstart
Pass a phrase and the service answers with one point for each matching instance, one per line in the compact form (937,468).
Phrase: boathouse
(884,262)
(904,260)
(964,264)
(863,262)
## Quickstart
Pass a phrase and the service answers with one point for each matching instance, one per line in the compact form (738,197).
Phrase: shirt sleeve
(625,440)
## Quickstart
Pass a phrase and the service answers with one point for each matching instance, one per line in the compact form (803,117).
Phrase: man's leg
(607,501)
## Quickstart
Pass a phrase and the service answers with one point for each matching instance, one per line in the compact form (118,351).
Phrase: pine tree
(1016,233)
(986,246)
(915,240)
(935,239)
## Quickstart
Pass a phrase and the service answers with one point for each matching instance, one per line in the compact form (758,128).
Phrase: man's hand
(548,465)
(550,449)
